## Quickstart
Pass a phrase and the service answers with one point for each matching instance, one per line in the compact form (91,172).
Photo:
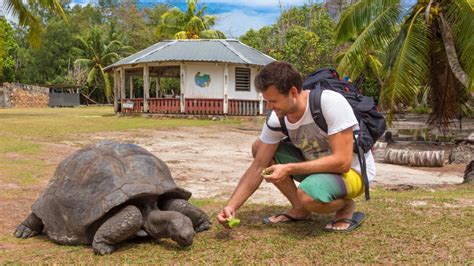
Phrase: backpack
(371,123)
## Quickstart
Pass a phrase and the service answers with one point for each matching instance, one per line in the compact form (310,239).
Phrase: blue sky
(234,17)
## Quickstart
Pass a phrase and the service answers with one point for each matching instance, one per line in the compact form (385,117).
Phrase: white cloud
(236,23)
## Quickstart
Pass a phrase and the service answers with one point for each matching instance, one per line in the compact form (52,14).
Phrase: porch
(194,106)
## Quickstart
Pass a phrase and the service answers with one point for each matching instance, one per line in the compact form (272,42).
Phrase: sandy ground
(209,161)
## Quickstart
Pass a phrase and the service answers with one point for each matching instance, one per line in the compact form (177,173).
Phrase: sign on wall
(203,80)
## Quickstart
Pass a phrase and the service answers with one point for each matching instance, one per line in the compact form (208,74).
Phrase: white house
(216,77)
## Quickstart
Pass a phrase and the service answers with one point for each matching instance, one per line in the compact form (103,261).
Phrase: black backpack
(371,123)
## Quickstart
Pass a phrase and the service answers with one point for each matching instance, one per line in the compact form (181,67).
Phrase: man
(323,163)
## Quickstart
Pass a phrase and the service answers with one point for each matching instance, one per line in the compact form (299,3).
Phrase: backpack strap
(363,166)
(315,106)
(282,127)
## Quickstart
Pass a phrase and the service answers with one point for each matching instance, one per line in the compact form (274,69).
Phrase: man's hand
(224,215)
(276,173)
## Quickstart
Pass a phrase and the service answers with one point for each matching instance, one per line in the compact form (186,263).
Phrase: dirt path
(210,160)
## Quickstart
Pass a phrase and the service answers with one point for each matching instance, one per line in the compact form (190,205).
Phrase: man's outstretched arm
(249,182)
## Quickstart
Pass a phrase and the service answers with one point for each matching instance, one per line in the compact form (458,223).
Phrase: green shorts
(322,187)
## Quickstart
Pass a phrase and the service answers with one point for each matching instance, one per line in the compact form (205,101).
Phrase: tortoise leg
(116,229)
(177,226)
(31,226)
(199,218)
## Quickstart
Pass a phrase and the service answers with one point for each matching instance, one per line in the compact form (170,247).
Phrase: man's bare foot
(346,212)
(296,214)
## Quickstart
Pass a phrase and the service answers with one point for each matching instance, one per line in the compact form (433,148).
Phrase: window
(242,79)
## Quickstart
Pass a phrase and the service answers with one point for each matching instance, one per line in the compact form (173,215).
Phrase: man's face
(280,103)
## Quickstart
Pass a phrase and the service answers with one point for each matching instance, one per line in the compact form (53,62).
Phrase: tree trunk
(451,53)
(415,158)
(469,173)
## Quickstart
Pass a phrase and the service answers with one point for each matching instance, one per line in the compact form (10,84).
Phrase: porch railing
(193,106)
(164,106)
(205,106)
(243,107)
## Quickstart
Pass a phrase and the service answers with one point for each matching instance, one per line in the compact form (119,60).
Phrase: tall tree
(428,44)
(96,54)
(26,16)
(302,36)
(8,47)
(192,24)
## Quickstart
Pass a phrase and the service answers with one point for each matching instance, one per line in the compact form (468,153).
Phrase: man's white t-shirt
(312,140)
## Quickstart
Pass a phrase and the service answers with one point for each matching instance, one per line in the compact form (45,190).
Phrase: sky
(234,17)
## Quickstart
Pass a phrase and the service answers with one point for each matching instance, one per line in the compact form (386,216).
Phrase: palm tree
(21,10)
(429,43)
(98,53)
(192,24)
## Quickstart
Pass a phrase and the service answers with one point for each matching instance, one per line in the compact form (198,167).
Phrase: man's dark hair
(280,74)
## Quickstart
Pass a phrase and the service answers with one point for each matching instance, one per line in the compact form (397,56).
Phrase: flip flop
(357,219)
(291,219)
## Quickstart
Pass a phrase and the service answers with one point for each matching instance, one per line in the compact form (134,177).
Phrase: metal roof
(226,51)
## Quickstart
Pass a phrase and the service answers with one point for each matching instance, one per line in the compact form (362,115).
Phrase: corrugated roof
(226,51)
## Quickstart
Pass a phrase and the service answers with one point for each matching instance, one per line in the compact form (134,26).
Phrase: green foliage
(169,85)
(302,36)
(428,44)
(27,14)
(97,53)
(191,24)
(53,60)
(8,48)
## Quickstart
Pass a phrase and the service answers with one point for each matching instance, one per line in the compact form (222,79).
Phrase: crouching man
(323,163)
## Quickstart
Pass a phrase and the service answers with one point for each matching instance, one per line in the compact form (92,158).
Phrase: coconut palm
(425,43)
(22,10)
(192,24)
(97,53)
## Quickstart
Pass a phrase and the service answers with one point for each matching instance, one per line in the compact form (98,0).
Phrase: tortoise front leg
(116,229)
(201,221)
(31,226)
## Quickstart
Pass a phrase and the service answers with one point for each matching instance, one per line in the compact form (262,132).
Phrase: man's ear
(294,91)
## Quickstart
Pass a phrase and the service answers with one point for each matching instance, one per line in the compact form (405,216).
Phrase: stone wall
(22,95)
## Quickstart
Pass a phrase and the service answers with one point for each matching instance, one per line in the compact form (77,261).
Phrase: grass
(51,125)
(421,225)
(395,231)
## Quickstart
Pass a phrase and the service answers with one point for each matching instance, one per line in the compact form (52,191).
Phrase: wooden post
(116,90)
(226,88)
(182,101)
(158,88)
(146,88)
(260,103)
(131,86)
(122,84)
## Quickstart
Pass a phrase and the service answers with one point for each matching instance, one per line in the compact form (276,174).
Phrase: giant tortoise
(109,192)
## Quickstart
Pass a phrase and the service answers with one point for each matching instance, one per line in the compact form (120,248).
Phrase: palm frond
(83,62)
(212,34)
(110,58)
(195,25)
(409,67)
(91,76)
(105,78)
(375,36)
(181,35)
(356,17)
(460,16)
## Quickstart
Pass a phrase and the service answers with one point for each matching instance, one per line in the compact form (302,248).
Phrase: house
(215,77)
